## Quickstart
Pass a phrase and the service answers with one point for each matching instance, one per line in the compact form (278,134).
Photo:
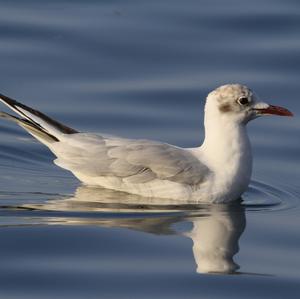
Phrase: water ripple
(263,197)
(96,201)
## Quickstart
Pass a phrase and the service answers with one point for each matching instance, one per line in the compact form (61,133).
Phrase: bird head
(240,104)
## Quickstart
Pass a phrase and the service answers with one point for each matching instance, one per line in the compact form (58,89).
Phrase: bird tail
(39,125)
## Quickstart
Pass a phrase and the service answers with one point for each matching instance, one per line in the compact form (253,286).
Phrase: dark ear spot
(225,108)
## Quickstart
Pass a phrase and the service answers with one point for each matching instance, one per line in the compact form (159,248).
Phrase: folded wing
(134,161)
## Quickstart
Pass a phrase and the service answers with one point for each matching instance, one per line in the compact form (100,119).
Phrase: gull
(218,171)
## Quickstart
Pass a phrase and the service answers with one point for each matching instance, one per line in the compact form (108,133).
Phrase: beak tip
(285,112)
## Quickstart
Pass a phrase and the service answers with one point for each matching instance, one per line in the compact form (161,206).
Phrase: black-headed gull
(217,171)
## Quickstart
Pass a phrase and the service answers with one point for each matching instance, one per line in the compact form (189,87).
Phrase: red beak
(274,110)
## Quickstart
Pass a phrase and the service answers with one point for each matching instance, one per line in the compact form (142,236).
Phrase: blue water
(143,69)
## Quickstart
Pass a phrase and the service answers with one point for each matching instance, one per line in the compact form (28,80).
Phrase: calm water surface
(143,69)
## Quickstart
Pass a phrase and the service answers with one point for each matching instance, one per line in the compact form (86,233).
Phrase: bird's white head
(239,104)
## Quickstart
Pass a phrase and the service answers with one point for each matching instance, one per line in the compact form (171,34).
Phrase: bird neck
(226,143)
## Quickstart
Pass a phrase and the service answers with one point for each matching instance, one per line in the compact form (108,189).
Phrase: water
(143,69)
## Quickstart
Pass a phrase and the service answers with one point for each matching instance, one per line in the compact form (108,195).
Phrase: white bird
(217,171)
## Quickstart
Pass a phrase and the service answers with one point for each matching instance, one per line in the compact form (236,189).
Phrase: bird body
(217,171)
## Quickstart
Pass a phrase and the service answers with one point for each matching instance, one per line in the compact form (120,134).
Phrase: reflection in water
(215,237)
(215,232)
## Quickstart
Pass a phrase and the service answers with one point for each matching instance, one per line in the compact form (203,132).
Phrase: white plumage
(218,171)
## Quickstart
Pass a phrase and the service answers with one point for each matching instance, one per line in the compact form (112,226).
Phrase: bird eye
(243,101)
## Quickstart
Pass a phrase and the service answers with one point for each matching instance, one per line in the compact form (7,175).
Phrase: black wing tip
(15,104)
(3,96)
(7,99)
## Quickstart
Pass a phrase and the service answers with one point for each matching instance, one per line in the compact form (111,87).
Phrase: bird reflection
(215,231)
(215,238)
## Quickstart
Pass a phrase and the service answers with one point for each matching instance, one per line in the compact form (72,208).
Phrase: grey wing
(135,161)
